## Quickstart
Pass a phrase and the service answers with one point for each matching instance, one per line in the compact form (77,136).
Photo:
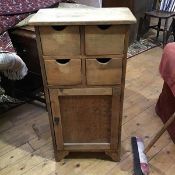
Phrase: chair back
(167,5)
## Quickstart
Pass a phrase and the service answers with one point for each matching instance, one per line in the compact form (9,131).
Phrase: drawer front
(104,40)
(60,40)
(104,71)
(63,71)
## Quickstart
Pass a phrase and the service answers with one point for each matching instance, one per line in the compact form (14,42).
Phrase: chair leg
(142,27)
(173,28)
(139,29)
(158,28)
(165,32)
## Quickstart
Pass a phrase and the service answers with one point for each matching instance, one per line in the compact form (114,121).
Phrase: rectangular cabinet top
(82,16)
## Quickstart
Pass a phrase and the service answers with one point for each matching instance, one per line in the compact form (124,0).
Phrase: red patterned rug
(12,12)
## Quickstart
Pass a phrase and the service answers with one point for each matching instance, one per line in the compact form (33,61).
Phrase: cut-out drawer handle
(104,27)
(62,61)
(58,28)
(103,60)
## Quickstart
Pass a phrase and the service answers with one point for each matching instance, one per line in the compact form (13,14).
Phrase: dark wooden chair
(161,11)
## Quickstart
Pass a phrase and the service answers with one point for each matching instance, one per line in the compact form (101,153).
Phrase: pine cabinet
(83,60)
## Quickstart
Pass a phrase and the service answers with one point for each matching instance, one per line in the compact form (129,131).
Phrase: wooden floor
(25,142)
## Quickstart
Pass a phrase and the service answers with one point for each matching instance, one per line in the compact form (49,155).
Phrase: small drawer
(104,71)
(63,71)
(60,40)
(104,40)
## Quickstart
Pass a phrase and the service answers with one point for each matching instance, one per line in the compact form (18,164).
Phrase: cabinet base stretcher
(60,155)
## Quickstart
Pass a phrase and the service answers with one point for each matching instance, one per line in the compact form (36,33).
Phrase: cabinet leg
(61,155)
(113,155)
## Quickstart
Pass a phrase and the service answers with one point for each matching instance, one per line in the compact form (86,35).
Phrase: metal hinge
(56,120)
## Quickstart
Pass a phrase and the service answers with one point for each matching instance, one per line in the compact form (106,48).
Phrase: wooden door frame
(115,118)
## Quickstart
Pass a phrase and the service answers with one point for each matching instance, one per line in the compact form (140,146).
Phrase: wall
(94,3)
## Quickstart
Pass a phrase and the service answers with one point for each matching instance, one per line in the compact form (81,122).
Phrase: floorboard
(26,145)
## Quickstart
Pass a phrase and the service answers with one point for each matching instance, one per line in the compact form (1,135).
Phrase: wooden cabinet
(83,62)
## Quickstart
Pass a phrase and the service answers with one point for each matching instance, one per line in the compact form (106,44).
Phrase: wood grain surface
(83,16)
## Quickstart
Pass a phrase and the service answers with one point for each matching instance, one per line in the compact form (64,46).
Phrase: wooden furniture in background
(24,41)
(160,15)
(117,3)
(83,61)
(138,8)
